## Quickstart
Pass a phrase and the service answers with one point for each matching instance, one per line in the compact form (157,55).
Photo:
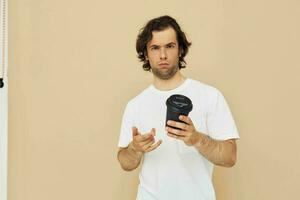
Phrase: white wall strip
(3,99)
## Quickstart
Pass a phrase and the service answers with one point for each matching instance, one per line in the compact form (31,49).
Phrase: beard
(165,74)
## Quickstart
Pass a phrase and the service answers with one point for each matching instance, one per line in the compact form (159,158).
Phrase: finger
(144,138)
(135,131)
(149,135)
(177,132)
(151,148)
(176,136)
(153,131)
(186,119)
(179,125)
(148,144)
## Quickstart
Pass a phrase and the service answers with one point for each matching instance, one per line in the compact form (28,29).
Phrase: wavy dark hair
(159,24)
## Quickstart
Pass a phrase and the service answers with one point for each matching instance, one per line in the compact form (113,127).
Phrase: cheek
(152,57)
(175,59)
(150,60)
(174,54)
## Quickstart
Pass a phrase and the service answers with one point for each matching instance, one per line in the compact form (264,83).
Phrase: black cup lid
(180,102)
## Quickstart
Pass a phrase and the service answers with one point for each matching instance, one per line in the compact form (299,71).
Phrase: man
(177,164)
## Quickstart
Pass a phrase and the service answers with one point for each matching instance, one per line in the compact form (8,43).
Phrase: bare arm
(131,156)
(222,153)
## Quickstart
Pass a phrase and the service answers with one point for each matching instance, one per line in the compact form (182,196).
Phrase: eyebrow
(154,45)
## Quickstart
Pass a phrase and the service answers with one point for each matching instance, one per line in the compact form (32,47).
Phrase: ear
(146,57)
(180,52)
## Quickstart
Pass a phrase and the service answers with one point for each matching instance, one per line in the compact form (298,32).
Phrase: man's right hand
(144,142)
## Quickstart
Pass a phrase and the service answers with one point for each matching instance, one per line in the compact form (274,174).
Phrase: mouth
(163,65)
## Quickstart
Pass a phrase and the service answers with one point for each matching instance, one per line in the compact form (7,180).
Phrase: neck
(169,84)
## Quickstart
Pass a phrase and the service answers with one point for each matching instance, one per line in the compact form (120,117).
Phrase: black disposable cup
(178,105)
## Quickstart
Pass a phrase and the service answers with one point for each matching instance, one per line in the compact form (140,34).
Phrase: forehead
(163,37)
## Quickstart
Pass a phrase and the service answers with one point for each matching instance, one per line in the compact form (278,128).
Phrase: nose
(163,54)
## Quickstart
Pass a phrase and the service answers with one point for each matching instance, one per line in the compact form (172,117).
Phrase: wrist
(132,148)
(200,137)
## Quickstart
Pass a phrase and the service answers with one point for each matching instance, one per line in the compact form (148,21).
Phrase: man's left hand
(188,132)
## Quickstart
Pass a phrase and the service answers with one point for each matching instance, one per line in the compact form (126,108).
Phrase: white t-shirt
(174,170)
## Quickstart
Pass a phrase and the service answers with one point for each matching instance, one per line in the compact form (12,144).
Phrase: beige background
(73,67)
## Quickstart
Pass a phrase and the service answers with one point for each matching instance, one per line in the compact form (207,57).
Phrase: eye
(169,46)
(154,48)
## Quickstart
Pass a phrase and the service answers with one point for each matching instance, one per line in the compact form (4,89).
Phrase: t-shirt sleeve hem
(226,137)
(123,145)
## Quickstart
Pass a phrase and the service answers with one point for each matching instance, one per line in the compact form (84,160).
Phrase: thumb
(153,131)
(135,131)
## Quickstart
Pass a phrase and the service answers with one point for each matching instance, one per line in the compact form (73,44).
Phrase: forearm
(129,158)
(221,153)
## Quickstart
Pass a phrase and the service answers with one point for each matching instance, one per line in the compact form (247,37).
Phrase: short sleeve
(127,123)
(220,123)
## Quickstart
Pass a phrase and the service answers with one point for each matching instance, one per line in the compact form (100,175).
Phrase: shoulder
(142,96)
(208,95)
(204,88)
